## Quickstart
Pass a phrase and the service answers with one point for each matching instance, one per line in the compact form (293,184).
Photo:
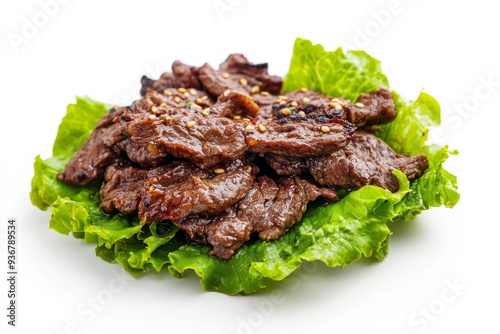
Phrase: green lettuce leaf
(334,73)
(75,210)
(336,234)
(340,233)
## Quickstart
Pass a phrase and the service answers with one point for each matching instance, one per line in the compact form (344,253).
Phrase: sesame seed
(306,100)
(167,92)
(204,97)
(152,116)
(243,82)
(225,75)
(167,120)
(264,93)
(219,170)
(294,104)
(262,128)
(301,113)
(190,124)
(325,129)
(303,89)
(269,119)
(205,112)
(151,147)
(237,117)
(163,105)
(286,111)
(192,91)
(186,95)
(154,109)
(177,99)
(181,90)
(248,120)
(198,100)
(335,99)
(359,105)
(335,105)
(194,105)
(250,127)
(283,97)
(226,92)
(255,90)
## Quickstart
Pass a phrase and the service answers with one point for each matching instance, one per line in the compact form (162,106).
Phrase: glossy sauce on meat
(223,154)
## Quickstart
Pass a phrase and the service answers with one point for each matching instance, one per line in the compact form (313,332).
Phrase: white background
(441,274)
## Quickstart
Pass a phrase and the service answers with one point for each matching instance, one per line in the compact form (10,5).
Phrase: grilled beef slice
(91,159)
(123,186)
(366,160)
(238,64)
(188,190)
(182,76)
(285,165)
(299,138)
(233,104)
(236,73)
(376,107)
(270,208)
(186,134)
(156,103)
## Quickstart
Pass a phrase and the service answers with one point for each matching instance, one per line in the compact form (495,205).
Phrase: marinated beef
(366,160)
(186,134)
(122,187)
(140,154)
(238,64)
(234,105)
(157,103)
(270,208)
(283,202)
(285,165)
(299,138)
(89,163)
(187,75)
(226,232)
(91,159)
(376,107)
(188,190)
(237,74)
(221,155)
(182,76)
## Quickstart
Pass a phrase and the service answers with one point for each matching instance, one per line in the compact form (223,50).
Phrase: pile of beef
(223,154)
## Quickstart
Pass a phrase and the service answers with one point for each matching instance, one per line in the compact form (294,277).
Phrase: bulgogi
(223,154)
